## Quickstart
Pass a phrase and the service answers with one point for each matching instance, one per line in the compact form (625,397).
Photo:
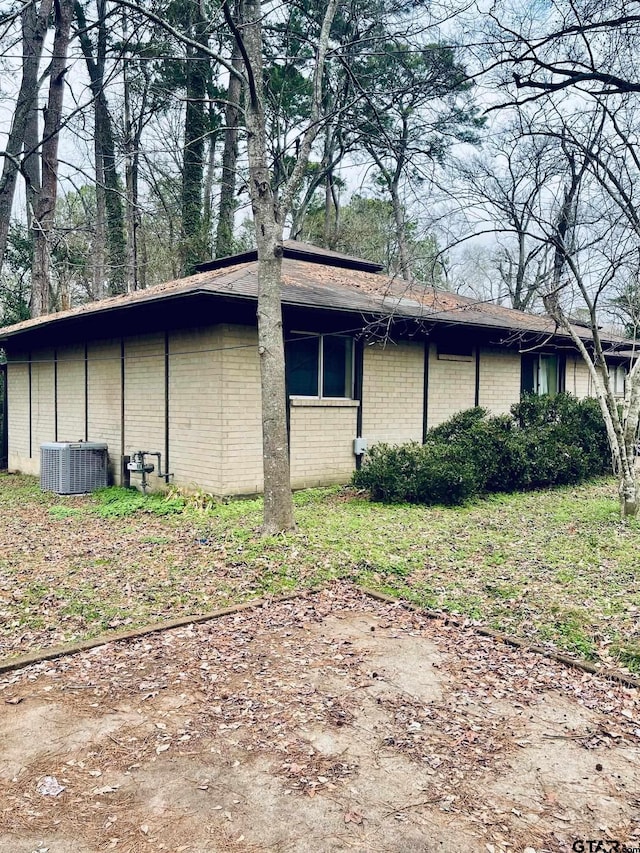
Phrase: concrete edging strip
(11,664)
(509,640)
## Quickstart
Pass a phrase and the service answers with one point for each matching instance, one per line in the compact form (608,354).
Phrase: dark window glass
(302,357)
(336,366)
(527,375)
(462,349)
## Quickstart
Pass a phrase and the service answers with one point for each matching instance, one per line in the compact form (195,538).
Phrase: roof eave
(98,310)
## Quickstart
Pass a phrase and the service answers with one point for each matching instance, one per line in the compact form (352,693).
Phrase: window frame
(616,373)
(320,373)
(534,360)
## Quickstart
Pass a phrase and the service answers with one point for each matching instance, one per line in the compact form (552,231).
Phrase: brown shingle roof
(321,285)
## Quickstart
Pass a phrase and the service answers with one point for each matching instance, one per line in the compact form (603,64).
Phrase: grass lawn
(555,566)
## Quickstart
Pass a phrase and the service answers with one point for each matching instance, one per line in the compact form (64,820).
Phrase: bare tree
(24,126)
(501,192)
(228,178)
(592,242)
(43,219)
(583,46)
(568,271)
(270,212)
(569,74)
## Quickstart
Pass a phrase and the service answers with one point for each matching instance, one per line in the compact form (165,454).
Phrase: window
(455,351)
(617,375)
(542,374)
(319,365)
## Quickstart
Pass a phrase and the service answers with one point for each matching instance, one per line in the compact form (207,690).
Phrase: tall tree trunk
(46,206)
(392,180)
(34,27)
(269,215)
(196,127)
(31,163)
(404,260)
(131,185)
(99,242)
(105,143)
(133,127)
(278,505)
(209,179)
(143,260)
(227,209)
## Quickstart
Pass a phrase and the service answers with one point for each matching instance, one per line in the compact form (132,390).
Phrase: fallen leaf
(353,817)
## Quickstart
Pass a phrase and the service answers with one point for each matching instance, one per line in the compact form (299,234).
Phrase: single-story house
(175,369)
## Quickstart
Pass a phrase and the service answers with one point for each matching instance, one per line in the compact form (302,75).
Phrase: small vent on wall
(73,469)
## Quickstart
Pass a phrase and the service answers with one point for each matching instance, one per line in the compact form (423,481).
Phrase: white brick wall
(42,398)
(452,387)
(104,399)
(71,410)
(195,409)
(241,416)
(144,397)
(499,380)
(578,380)
(18,402)
(392,392)
(322,433)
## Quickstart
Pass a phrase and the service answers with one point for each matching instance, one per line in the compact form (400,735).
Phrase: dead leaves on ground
(251,684)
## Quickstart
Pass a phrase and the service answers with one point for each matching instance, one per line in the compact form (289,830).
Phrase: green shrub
(549,459)
(494,448)
(571,425)
(534,410)
(444,475)
(415,473)
(545,441)
(457,426)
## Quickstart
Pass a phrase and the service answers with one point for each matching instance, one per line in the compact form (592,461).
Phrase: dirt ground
(327,723)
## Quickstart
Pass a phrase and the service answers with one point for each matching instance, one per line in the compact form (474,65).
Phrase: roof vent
(73,469)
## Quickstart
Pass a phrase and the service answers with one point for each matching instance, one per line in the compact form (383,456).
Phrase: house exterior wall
(241,412)
(144,397)
(322,433)
(499,380)
(18,426)
(393,392)
(452,386)
(203,386)
(194,403)
(42,399)
(195,409)
(71,394)
(577,380)
(104,396)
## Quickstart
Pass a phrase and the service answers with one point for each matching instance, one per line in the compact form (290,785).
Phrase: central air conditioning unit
(73,468)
